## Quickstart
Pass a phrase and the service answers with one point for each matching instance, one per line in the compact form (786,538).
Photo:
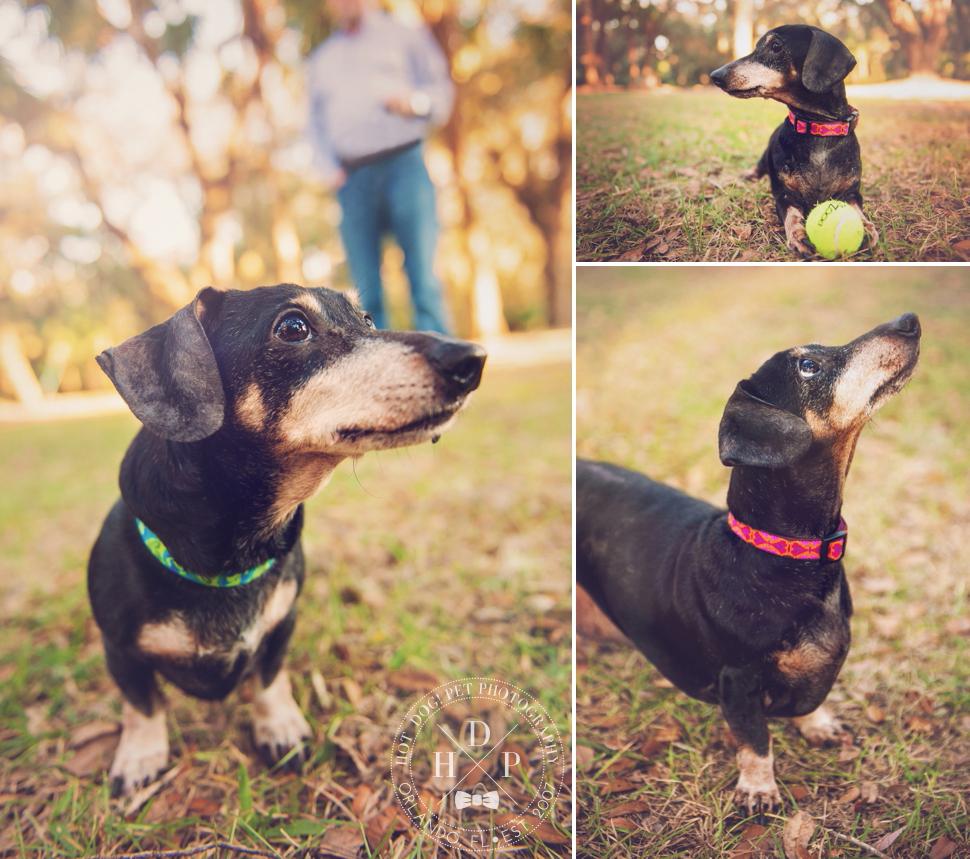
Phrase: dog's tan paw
(757,791)
(820,727)
(867,225)
(756,800)
(142,753)
(795,236)
(278,724)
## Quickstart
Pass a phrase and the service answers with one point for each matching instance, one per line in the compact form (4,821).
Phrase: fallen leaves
(861,795)
(622,809)
(751,843)
(798,832)
(94,744)
(655,245)
(888,839)
(943,847)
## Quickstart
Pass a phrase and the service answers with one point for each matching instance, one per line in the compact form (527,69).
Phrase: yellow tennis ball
(834,228)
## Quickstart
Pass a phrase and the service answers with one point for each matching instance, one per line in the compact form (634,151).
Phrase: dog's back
(626,524)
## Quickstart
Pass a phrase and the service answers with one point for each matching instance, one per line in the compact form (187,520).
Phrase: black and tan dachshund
(749,607)
(813,156)
(248,401)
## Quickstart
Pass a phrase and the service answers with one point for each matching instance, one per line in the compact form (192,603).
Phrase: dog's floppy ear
(754,432)
(828,61)
(168,374)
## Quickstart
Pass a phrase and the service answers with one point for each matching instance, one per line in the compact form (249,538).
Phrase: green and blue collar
(161,554)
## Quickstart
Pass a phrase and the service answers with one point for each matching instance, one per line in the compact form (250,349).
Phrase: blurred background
(639,43)
(149,148)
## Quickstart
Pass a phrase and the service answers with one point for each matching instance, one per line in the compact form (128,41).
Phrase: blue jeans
(396,196)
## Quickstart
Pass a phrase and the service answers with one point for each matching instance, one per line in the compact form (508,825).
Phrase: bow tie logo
(489,799)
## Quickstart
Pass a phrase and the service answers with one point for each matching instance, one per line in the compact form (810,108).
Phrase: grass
(424,565)
(656,178)
(658,353)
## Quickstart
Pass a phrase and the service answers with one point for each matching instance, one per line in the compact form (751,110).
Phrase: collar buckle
(832,547)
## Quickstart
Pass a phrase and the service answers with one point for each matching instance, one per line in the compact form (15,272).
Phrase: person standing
(377,86)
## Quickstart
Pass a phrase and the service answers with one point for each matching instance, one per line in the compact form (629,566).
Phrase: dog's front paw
(795,236)
(757,791)
(757,795)
(757,800)
(279,727)
(821,727)
(801,247)
(142,753)
(867,225)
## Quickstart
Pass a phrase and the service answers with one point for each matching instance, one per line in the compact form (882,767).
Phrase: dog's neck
(804,500)
(256,514)
(827,106)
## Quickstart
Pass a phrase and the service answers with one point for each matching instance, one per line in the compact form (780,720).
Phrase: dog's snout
(719,76)
(907,324)
(459,362)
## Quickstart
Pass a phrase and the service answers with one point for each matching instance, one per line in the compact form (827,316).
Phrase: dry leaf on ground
(797,834)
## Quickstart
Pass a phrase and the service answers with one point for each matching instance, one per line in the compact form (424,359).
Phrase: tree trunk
(923,37)
(743,27)
(16,368)
(590,58)
(482,313)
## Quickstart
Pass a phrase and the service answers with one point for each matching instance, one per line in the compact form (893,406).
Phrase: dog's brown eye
(369,321)
(808,368)
(292,328)
(776,47)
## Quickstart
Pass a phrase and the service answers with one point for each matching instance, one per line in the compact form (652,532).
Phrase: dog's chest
(183,638)
(813,658)
(819,171)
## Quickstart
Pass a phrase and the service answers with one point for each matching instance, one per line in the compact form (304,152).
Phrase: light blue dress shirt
(351,75)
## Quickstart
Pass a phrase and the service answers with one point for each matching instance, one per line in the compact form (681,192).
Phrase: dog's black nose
(907,324)
(459,362)
(718,76)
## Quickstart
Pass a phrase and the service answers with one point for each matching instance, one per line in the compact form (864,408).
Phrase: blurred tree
(591,41)
(921,26)
(617,41)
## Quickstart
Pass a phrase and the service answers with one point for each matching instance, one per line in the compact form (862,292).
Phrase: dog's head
(302,369)
(817,395)
(785,60)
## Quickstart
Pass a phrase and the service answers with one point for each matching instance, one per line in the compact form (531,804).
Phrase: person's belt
(351,164)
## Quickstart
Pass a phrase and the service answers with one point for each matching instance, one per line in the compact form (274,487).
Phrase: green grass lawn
(659,351)
(657,178)
(425,565)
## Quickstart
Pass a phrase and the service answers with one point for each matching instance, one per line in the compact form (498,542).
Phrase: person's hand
(400,104)
(409,104)
(337,179)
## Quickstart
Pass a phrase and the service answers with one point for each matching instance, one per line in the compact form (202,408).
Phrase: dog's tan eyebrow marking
(309,302)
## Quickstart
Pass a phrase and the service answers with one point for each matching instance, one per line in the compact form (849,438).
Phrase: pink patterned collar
(825,129)
(828,549)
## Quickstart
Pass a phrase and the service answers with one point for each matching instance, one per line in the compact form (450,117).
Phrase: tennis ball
(834,228)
